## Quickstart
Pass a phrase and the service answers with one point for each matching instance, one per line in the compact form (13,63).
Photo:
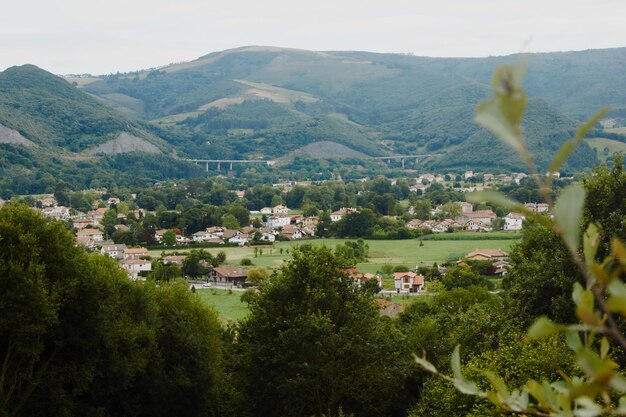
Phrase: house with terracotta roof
(408,282)
(114,251)
(174,259)
(280,209)
(241,239)
(513,221)
(81,223)
(486,255)
(278,220)
(414,224)
(335,216)
(135,253)
(135,266)
(360,278)
(90,235)
(228,274)
(485,216)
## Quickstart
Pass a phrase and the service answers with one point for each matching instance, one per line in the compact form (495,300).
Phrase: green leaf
(498,384)
(591,242)
(542,327)
(568,213)
(425,364)
(604,347)
(573,340)
(618,383)
(572,144)
(493,196)
(585,307)
(562,154)
(582,130)
(617,298)
(468,387)
(455,363)
(587,408)
(489,115)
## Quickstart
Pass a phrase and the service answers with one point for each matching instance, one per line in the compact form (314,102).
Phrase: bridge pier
(402,161)
(218,166)
(207,167)
(231,166)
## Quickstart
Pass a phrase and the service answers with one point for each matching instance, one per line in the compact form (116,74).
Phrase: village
(282,224)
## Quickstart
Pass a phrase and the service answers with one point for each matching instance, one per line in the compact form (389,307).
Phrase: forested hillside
(267,102)
(272,103)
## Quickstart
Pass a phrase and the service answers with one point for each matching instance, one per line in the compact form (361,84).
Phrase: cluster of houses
(470,220)
(412,282)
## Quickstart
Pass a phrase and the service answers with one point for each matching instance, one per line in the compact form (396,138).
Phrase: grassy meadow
(382,252)
(395,252)
(227,304)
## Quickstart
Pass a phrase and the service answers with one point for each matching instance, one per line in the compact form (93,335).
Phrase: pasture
(394,252)
(227,304)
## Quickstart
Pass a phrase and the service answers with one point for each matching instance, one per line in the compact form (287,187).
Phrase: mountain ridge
(269,102)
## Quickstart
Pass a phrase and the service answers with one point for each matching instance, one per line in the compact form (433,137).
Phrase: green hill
(52,132)
(266,101)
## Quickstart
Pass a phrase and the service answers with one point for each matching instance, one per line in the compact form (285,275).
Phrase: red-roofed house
(408,282)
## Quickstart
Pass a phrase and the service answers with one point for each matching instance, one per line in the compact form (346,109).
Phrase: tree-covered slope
(267,101)
(51,113)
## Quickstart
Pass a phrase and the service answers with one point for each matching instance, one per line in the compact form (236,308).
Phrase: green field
(228,305)
(382,252)
(612,146)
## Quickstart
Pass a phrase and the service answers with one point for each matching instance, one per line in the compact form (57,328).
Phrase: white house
(335,216)
(92,235)
(266,210)
(408,282)
(114,251)
(280,209)
(240,239)
(268,237)
(478,226)
(134,266)
(513,221)
(278,221)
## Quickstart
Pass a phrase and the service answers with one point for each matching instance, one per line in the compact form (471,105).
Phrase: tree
(169,238)
(197,263)
(257,276)
(540,279)
(165,272)
(78,338)
(230,222)
(450,210)
(605,204)
(422,209)
(315,343)
(462,276)
(360,224)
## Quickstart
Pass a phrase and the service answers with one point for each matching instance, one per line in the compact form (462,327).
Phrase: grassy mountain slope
(48,111)
(50,129)
(267,101)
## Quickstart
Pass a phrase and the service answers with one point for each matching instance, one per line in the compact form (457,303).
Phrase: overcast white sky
(87,36)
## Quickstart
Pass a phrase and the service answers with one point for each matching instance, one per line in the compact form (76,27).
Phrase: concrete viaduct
(230,162)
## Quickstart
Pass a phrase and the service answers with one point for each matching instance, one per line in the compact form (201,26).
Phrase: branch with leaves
(597,303)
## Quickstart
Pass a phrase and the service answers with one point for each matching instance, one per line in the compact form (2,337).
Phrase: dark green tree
(169,238)
(315,343)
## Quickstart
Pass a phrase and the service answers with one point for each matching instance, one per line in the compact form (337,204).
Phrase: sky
(101,37)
